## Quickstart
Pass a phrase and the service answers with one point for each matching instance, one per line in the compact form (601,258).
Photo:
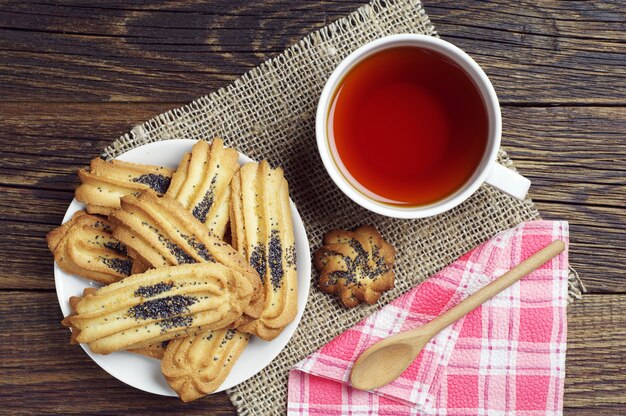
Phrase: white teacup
(488,170)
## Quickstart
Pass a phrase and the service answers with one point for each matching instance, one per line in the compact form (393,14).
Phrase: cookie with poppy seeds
(161,232)
(262,230)
(197,365)
(201,180)
(53,238)
(159,305)
(85,247)
(104,183)
(356,265)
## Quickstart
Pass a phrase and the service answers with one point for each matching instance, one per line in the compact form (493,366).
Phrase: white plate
(144,373)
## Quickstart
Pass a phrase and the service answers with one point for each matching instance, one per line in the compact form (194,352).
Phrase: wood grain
(595,366)
(75,76)
(542,51)
(127,51)
(44,374)
(536,51)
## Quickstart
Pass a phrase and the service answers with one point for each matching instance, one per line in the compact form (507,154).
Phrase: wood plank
(34,206)
(27,262)
(129,52)
(571,144)
(42,373)
(595,366)
(534,52)
(541,51)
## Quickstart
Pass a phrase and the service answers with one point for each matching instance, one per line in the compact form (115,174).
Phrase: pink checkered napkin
(506,357)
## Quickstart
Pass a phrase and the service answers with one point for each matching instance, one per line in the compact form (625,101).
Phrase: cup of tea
(409,126)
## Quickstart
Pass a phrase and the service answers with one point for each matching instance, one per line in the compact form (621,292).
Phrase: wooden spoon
(384,361)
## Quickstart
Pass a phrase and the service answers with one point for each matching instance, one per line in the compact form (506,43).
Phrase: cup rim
(469,66)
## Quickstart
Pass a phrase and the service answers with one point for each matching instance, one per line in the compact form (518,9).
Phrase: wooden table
(74,77)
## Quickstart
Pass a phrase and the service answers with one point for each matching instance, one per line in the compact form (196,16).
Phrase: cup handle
(508,181)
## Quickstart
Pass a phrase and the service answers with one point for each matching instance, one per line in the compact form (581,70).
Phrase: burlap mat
(269,113)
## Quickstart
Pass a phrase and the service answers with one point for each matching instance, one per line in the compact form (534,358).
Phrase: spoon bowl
(388,362)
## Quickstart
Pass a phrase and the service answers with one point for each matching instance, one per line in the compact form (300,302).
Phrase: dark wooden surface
(74,76)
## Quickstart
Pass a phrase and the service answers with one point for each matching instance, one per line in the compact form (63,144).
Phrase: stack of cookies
(195,261)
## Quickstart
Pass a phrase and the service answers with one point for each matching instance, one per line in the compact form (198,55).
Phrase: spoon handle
(481,296)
